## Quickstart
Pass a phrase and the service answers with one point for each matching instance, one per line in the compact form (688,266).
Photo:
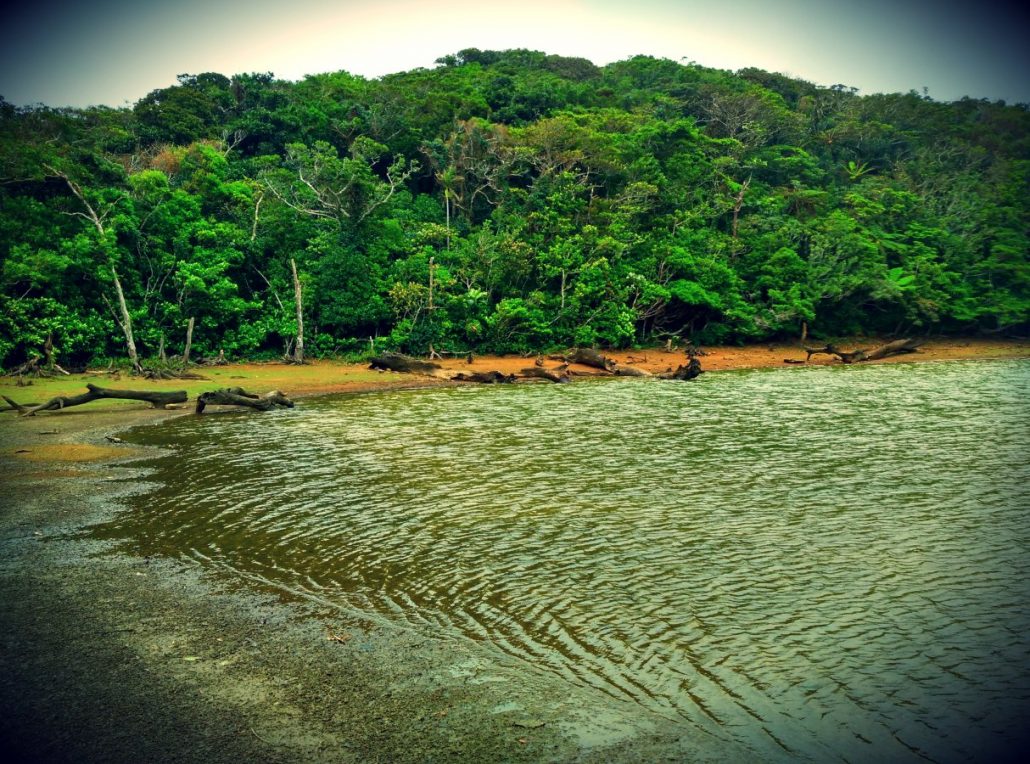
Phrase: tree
(97,215)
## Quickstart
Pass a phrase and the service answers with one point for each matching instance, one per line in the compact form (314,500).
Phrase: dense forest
(507,202)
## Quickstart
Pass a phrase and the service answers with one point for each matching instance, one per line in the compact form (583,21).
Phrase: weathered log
(590,357)
(403,363)
(156,399)
(539,372)
(691,371)
(485,377)
(167,372)
(237,396)
(897,347)
(19,407)
(598,373)
(629,371)
(811,351)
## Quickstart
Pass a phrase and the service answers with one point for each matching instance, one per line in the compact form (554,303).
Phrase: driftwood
(691,371)
(167,372)
(237,396)
(811,351)
(590,357)
(398,362)
(485,377)
(897,347)
(155,398)
(19,407)
(629,371)
(539,372)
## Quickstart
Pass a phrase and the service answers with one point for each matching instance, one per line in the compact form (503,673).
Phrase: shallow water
(821,564)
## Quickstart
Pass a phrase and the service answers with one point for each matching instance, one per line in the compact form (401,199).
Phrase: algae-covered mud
(816,565)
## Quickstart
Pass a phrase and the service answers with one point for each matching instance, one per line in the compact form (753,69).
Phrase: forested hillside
(507,201)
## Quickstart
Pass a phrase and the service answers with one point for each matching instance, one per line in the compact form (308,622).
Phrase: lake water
(816,564)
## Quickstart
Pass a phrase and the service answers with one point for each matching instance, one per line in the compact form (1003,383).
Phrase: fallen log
(237,396)
(629,371)
(539,372)
(403,363)
(590,357)
(691,371)
(811,351)
(155,398)
(898,347)
(19,407)
(170,373)
(485,377)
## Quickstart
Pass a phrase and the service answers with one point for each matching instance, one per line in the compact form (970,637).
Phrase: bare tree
(98,218)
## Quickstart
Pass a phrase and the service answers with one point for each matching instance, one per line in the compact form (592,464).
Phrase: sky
(114,52)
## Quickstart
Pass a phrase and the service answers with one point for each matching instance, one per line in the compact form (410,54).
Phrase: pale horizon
(114,52)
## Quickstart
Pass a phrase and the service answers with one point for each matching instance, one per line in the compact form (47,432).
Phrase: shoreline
(108,657)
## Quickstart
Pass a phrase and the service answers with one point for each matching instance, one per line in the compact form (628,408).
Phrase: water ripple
(822,564)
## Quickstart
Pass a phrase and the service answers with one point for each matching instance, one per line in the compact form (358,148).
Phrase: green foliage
(553,201)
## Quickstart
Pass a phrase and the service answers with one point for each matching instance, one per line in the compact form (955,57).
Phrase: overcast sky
(114,52)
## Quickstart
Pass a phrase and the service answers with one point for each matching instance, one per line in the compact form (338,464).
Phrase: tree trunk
(298,349)
(126,322)
(893,348)
(189,342)
(237,396)
(691,371)
(897,347)
(539,372)
(738,204)
(590,357)
(155,398)
(630,371)
(485,377)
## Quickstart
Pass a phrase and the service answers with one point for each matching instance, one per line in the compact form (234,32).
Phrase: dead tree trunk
(630,371)
(897,347)
(691,371)
(811,351)
(485,377)
(155,398)
(298,349)
(404,363)
(538,372)
(126,323)
(189,342)
(590,357)
(237,396)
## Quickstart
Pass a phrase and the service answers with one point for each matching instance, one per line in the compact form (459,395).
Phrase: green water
(816,564)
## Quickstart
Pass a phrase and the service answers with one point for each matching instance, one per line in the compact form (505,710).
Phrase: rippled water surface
(817,564)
